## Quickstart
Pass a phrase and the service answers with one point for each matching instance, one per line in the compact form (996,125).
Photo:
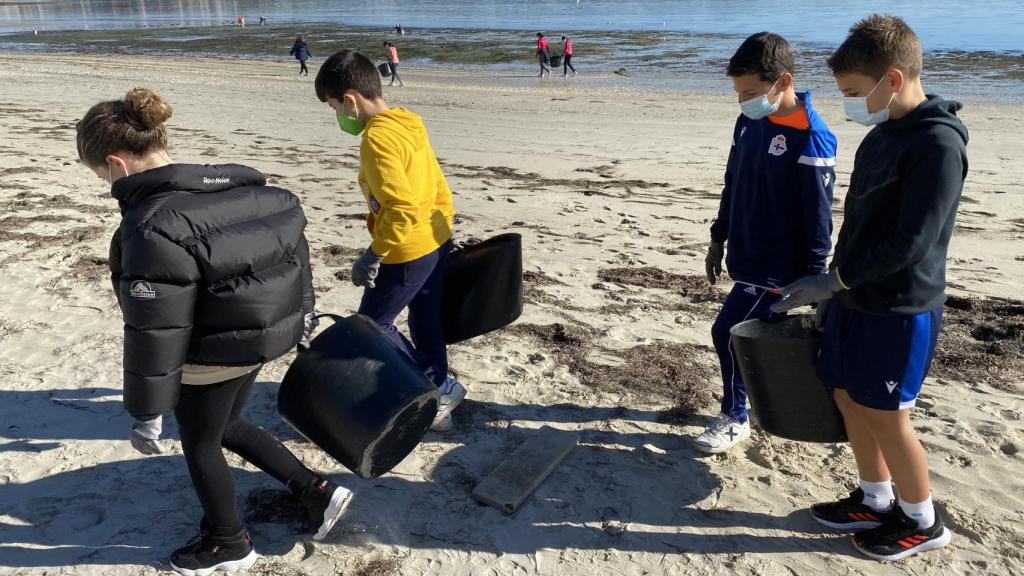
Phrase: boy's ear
(785,81)
(897,80)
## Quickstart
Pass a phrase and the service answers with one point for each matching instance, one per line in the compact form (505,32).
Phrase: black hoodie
(210,266)
(899,213)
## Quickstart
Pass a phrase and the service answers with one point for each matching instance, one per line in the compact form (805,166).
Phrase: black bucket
(778,363)
(483,287)
(555,61)
(358,397)
(385,69)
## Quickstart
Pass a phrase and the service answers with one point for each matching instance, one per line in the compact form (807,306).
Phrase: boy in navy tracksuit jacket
(888,279)
(776,209)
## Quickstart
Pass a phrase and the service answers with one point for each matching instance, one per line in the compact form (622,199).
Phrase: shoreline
(486,77)
(690,61)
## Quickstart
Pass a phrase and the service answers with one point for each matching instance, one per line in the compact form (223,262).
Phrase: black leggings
(209,418)
(566,64)
(303,69)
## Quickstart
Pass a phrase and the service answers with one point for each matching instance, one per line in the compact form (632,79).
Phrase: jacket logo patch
(743,131)
(826,178)
(778,146)
(374,205)
(142,289)
(891,385)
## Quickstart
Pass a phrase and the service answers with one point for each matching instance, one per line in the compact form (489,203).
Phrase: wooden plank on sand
(522,471)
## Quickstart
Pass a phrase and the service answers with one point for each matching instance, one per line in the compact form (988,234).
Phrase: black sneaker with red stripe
(899,537)
(849,514)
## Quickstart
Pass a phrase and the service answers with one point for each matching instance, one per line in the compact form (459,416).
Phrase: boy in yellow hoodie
(410,217)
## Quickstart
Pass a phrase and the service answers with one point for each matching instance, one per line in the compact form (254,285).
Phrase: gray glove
(145,436)
(311,323)
(808,290)
(713,261)
(365,269)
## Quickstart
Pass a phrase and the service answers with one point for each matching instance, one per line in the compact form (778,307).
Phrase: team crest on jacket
(142,289)
(778,146)
(374,205)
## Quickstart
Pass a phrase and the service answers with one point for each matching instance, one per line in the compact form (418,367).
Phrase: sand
(613,190)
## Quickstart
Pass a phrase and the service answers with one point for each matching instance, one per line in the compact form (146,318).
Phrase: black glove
(713,261)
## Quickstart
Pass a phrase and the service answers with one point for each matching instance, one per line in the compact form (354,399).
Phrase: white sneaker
(724,433)
(452,392)
(445,424)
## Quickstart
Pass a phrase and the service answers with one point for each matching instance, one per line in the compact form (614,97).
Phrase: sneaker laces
(448,386)
(721,424)
(196,544)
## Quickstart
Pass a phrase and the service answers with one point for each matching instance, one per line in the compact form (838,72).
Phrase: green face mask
(353,126)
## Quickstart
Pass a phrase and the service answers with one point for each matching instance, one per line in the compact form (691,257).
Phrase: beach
(613,188)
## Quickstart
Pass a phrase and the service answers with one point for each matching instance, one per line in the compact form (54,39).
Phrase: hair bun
(146,108)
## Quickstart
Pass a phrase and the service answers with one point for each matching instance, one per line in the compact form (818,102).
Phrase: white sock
(923,512)
(878,495)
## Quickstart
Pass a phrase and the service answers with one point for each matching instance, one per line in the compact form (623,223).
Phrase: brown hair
(876,44)
(765,54)
(134,125)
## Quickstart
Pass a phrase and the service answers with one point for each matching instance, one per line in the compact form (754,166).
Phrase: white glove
(145,436)
(311,323)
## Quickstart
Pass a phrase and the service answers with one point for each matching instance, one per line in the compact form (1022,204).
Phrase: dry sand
(613,191)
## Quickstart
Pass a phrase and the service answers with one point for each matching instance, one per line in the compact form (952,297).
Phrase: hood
(403,124)
(194,178)
(933,111)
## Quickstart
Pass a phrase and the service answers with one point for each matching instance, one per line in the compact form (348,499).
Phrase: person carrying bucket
(883,296)
(210,267)
(410,217)
(775,213)
(543,54)
(393,63)
(567,57)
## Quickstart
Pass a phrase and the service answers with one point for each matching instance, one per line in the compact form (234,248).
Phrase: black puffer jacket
(210,266)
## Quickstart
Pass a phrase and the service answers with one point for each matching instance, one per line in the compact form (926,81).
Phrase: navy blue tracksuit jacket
(776,208)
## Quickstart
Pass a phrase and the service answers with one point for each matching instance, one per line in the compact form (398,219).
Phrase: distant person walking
(301,53)
(567,56)
(393,63)
(543,55)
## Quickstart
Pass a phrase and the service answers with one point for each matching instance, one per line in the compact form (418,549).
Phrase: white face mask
(759,106)
(856,108)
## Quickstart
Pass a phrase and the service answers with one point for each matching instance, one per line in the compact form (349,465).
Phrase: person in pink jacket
(393,63)
(567,56)
(543,56)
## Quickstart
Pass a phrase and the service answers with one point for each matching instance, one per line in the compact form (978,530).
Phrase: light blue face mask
(759,107)
(856,108)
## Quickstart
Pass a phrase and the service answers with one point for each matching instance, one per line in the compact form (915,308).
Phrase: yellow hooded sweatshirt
(410,203)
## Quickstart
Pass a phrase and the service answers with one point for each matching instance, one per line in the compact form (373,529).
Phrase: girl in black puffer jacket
(211,269)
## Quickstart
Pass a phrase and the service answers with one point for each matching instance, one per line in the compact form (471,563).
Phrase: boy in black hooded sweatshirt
(888,281)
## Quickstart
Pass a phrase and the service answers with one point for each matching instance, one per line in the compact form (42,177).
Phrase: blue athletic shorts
(880,361)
